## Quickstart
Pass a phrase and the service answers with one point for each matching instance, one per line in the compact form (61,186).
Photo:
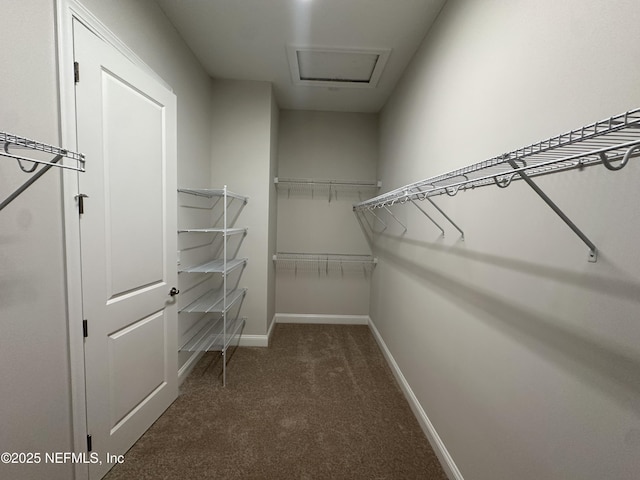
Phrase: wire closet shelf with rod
(325,188)
(42,158)
(611,142)
(216,328)
(323,262)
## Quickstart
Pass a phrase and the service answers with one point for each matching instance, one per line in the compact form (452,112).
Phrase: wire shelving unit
(611,142)
(216,330)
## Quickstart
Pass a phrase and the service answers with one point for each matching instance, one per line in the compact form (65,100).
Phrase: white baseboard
(429,430)
(322,319)
(185,369)
(254,341)
(258,340)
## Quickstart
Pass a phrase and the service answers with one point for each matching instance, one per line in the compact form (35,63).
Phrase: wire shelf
(611,142)
(213,301)
(330,188)
(212,337)
(323,258)
(212,193)
(323,262)
(30,165)
(216,266)
(15,141)
(226,231)
(288,182)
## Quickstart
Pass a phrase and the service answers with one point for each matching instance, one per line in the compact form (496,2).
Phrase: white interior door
(126,127)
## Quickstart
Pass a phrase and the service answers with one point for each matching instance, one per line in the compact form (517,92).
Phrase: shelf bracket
(362,218)
(395,218)
(379,219)
(427,215)
(593,251)
(14,141)
(30,182)
(447,217)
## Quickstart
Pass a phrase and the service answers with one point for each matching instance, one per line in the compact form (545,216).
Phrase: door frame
(68,11)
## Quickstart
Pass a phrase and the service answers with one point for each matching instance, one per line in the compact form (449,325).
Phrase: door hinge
(85,328)
(80,198)
(76,72)
(89,443)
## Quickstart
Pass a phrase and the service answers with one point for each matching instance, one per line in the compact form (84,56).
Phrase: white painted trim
(429,430)
(254,341)
(73,277)
(257,340)
(322,319)
(271,329)
(185,369)
(73,9)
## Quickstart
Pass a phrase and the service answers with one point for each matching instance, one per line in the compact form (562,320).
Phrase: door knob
(174,291)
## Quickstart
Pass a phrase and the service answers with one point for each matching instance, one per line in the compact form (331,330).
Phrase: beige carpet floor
(319,403)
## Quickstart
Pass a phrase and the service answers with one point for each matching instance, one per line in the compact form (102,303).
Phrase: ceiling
(257,40)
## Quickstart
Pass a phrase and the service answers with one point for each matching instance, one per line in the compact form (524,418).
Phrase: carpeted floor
(319,403)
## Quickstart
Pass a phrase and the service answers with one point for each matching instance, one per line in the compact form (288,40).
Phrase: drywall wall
(523,355)
(35,411)
(323,146)
(242,159)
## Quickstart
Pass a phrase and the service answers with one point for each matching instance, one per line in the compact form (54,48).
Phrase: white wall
(524,356)
(242,158)
(323,146)
(35,411)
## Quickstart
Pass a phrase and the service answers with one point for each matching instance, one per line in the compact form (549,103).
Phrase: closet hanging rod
(615,139)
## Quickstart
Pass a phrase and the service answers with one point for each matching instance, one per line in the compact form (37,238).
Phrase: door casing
(66,12)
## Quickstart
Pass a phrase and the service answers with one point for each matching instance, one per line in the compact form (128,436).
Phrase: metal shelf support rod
(379,219)
(395,218)
(44,162)
(29,182)
(427,215)
(447,217)
(593,251)
(224,295)
(360,215)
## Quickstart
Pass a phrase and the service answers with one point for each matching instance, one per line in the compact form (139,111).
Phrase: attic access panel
(336,67)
